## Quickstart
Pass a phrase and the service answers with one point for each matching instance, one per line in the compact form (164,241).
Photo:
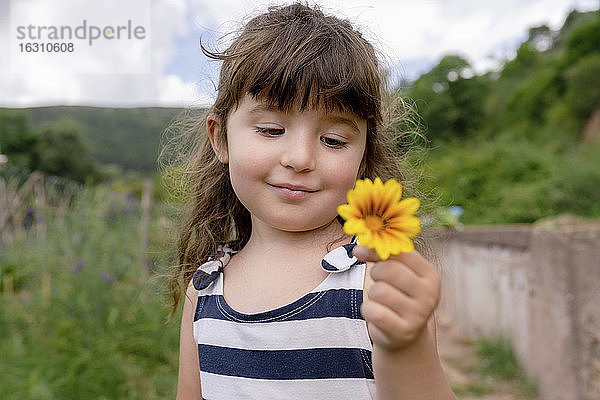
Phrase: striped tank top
(317,347)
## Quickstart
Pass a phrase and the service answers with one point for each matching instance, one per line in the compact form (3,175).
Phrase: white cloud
(411,33)
(39,87)
(173,90)
(169,19)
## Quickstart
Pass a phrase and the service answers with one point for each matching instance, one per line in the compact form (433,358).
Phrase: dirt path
(462,365)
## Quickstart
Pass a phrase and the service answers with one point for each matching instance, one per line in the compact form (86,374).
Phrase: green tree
(534,96)
(524,62)
(583,86)
(16,140)
(541,38)
(450,99)
(583,41)
(61,151)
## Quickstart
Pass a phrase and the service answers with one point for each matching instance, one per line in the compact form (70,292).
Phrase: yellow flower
(379,219)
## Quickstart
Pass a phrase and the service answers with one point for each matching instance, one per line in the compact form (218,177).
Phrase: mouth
(292,191)
(296,188)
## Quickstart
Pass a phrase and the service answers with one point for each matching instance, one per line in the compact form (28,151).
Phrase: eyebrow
(337,118)
(262,107)
(333,117)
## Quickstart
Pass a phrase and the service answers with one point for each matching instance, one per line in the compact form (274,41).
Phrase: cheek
(342,176)
(246,168)
(247,164)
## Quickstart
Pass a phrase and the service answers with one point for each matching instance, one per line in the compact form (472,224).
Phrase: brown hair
(291,56)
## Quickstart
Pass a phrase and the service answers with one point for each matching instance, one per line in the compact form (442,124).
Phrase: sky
(164,66)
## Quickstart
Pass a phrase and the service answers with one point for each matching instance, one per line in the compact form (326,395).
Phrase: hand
(405,291)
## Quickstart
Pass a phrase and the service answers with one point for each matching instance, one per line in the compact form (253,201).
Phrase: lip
(293,187)
(292,191)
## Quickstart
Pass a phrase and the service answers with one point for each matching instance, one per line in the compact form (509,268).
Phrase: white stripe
(284,335)
(349,279)
(219,387)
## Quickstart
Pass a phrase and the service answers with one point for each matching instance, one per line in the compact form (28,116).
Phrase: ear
(214,128)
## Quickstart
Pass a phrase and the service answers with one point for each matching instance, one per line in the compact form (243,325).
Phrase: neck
(315,241)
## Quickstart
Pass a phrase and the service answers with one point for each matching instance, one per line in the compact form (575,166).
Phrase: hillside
(520,143)
(127,137)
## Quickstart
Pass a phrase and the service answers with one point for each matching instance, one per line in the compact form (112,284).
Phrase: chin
(302,226)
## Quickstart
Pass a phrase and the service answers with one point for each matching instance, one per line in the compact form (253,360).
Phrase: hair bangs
(303,65)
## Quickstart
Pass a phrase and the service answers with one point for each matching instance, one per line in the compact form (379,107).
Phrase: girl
(280,303)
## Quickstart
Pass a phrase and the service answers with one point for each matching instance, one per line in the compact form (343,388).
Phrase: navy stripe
(325,363)
(328,267)
(331,303)
(349,247)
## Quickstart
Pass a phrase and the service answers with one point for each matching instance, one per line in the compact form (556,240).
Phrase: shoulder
(189,307)
(190,302)
(191,294)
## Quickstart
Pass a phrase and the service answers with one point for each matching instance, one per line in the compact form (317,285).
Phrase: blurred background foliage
(79,317)
(510,146)
(521,143)
(82,312)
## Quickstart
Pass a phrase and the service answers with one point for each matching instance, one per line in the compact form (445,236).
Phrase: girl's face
(291,169)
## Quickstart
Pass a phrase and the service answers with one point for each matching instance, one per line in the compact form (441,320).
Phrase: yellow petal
(369,198)
(394,244)
(382,249)
(410,225)
(354,226)
(377,195)
(403,244)
(395,187)
(367,191)
(359,197)
(360,185)
(348,211)
(351,197)
(410,205)
(365,239)
(391,195)
(406,245)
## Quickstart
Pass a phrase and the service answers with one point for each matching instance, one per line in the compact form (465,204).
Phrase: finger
(382,316)
(387,294)
(422,290)
(393,326)
(379,337)
(416,262)
(398,275)
(365,254)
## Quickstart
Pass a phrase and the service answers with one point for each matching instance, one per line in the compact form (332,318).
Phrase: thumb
(364,253)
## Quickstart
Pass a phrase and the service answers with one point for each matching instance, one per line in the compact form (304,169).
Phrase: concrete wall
(537,285)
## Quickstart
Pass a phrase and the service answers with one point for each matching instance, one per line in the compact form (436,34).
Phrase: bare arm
(188,383)
(401,294)
(414,372)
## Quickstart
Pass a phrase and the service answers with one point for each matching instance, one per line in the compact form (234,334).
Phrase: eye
(267,131)
(333,142)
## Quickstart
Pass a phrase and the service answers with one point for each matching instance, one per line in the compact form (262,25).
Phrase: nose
(298,152)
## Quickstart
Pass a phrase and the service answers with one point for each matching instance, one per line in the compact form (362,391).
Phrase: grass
(476,389)
(488,366)
(78,320)
(500,363)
